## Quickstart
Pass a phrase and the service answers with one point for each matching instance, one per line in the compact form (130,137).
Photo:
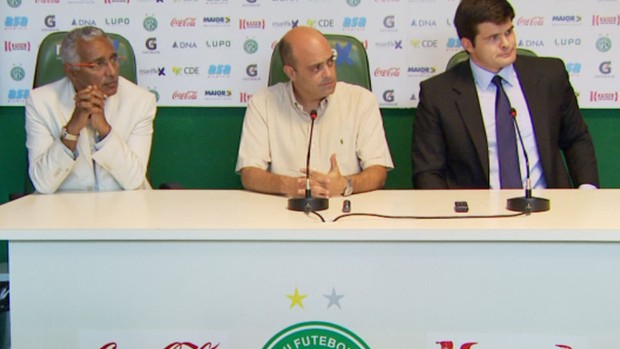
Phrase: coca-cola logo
(189,345)
(183,22)
(387,73)
(187,95)
(531,22)
(173,345)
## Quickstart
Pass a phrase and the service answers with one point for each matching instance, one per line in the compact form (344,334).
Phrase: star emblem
(296,299)
(334,298)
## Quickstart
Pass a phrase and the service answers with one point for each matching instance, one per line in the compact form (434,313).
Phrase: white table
(145,269)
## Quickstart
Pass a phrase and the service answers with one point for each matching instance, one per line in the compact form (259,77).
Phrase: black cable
(428,217)
(316,213)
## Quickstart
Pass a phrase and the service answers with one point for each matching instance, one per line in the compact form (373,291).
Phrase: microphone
(308,203)
(528,203)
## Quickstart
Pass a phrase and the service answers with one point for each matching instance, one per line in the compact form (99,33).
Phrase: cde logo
(316,335)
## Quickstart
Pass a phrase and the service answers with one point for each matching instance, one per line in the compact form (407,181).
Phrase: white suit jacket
(118,162)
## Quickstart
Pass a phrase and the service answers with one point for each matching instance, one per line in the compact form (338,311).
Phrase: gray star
(334,299)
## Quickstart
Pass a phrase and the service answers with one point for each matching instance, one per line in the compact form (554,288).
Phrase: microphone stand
(527,203)
(308,203)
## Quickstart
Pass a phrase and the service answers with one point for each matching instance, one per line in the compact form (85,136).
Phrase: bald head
(300,41)
(309,64)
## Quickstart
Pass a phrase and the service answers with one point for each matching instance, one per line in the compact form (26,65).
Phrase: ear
(69,71)
(290,72)
(467,44)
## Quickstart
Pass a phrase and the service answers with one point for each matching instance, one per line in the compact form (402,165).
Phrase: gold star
(296,299)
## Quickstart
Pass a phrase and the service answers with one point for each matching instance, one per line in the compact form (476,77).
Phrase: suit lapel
(531,92)
(468,107)
(535,99)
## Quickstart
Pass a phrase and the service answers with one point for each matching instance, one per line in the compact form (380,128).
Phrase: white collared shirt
(276,131)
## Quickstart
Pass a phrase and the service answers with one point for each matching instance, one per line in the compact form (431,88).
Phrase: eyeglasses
(100,65)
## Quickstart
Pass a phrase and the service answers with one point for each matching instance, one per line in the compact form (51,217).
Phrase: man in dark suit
(455,144)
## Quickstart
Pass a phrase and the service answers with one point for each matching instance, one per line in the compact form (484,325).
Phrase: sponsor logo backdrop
(216,52)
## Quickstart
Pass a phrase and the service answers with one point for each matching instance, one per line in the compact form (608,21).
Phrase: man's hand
(89,106)
(328,184)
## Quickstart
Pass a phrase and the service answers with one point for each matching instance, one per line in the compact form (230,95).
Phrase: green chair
(463,55)
(49,67)
(351,64)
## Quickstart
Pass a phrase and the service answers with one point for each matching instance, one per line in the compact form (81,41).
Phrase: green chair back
(49,67)
(351,64)
(462,56)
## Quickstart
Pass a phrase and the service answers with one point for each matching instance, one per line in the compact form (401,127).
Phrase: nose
(111,67)
(505,41)
(328,70)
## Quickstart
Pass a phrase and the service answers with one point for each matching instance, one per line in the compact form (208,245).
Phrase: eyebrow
(512,27)
(101,59)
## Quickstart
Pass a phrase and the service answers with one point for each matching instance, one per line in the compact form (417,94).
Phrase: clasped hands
(89,110)
(324,185)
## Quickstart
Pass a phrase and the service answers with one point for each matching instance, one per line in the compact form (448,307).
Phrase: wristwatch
(348,190)
(68,136)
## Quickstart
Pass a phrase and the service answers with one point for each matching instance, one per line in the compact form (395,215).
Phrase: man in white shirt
(349,150)
(92,130)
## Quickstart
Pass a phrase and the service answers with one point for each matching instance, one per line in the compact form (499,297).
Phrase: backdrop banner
(216,52)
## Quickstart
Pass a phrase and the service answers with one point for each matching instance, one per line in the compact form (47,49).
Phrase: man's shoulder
(540,65)
(128,87)
(50,88)
(351,88)
(50,93)
(269,92)
(458,72)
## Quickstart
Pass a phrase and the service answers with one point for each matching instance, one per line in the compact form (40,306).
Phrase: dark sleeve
(428,150)
(575,140)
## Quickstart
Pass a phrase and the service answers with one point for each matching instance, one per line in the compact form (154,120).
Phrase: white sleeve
(49,162)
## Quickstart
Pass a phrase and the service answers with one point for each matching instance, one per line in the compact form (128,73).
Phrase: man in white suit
(91,130)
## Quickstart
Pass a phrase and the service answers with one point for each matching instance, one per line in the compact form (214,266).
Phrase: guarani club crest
(315,335)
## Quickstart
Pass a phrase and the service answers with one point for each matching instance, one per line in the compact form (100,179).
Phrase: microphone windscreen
(313,114)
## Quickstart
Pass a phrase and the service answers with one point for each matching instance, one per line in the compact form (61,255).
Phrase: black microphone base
(527,205)
(308,204)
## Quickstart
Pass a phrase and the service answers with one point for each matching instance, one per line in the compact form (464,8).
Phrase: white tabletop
(575,215)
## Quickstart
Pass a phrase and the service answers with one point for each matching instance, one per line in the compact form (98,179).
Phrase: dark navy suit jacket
(450,147)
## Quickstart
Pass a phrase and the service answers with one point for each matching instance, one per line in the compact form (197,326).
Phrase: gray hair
(68,49)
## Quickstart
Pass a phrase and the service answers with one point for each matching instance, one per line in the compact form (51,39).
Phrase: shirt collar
(300,108)
(483,77)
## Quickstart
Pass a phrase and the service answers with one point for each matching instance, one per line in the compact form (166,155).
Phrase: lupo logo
(314,335)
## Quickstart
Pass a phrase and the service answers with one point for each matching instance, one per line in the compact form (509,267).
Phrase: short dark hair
(286,52)
(471,13)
